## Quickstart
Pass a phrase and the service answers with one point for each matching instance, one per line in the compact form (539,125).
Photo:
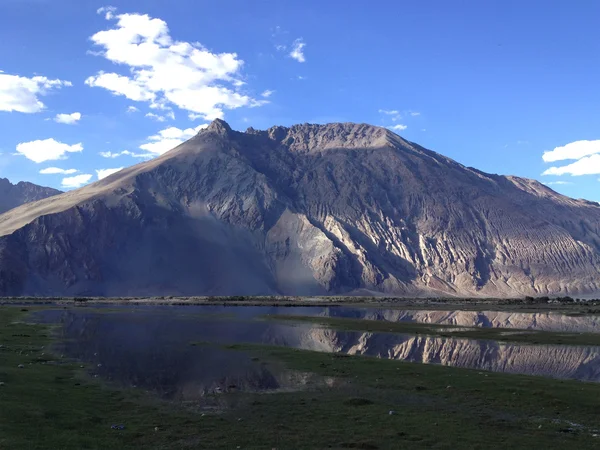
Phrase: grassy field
(52,405)
(496,334)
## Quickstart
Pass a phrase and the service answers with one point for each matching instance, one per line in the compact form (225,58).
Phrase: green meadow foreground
(49,402)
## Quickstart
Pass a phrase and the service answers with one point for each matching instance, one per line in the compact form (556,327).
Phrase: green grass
(56,406)
(496,334)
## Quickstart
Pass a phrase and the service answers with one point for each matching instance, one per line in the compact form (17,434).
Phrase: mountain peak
(311,138)
(219,126)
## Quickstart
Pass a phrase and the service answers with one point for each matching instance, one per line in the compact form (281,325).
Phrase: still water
(164,348)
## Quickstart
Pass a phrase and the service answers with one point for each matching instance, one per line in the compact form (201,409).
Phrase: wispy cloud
(393,114)
(297,52)
(398,127)
(108,11)
(558,183)
(267,93)
(156,117)
(125,153)
(389,112)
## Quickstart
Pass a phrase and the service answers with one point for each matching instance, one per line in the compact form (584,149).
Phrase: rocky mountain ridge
(304,210)
(13,195)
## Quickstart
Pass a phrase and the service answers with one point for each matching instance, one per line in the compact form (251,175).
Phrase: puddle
(149,347)
(154,349)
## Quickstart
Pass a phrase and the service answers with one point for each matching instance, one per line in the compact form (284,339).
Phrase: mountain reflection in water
(152,348)
(539,321)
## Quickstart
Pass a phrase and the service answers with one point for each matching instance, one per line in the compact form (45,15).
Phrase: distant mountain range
(306,210)
(13,195)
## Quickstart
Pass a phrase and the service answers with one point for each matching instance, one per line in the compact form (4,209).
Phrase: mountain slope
(13,195)
(311,209)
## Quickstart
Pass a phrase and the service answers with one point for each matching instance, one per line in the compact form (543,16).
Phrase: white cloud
(111,154)
(558,183)
(300,77)
(398,127)
(103,173)
(159,118)
(574,150)
(56,170)
(132,109)
(20,94)
(297,52)
(397,115)
(69,119)
(394,115)
(156,117)
(108,11)
(76,181)
(590,165)
(193,116)
(46,150)
(267,93)
(170,138)
(125,153)
(163,71)
(121,85)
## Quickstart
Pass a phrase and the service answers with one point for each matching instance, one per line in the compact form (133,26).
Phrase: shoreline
(566,305)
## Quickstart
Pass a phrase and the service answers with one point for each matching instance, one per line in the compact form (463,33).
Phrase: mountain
(13,195)
(306,210)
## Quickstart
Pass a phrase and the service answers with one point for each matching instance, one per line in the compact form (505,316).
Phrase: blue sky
(508,87)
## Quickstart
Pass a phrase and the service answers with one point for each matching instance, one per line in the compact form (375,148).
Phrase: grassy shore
(589,306)
(53,404)
(496,334)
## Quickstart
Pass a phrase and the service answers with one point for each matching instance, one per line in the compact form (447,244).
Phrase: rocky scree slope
(306,210)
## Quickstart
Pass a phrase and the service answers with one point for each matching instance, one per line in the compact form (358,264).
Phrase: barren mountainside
(13,195)
(310,209)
